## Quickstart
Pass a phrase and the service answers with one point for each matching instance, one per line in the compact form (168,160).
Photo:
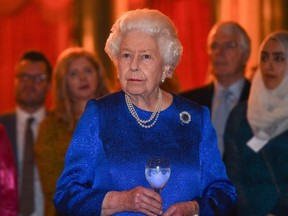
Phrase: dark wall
(100,13)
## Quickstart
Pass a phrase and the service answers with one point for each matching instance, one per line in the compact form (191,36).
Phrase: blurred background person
(78,77)
(74,29)
(8,177)
(257,135)
(229,50)
(171,85)
(105,163)
(32,84)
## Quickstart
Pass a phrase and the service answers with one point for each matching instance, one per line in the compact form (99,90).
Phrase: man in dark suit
(229,51)
(32,84)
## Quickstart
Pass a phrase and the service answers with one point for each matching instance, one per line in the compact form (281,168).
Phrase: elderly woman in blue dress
(257,135)
(104,170)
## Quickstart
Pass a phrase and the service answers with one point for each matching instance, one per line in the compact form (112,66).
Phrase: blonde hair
(154,23)
(63,101)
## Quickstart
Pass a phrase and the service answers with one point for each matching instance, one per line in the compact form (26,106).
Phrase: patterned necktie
(220,115)
(27,187)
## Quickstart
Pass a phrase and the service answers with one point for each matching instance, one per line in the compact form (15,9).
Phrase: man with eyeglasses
(229,50)
(32,84)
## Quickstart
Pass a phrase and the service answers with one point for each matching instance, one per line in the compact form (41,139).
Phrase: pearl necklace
(154,116)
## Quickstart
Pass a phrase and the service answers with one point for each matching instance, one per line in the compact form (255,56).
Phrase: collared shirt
(235,89)
(221,109)
(22,117)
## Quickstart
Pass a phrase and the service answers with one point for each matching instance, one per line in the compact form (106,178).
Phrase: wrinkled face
(273,63)
(31,84)
(226,56)
(139,64)
(81,79)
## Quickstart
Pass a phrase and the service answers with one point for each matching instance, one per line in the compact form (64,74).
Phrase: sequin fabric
(109,150)
(8,177)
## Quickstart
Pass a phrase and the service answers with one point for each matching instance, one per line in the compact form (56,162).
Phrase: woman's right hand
(139,199)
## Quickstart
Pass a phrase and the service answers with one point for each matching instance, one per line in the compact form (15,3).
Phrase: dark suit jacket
(204,95)
(258,178)
(9,121)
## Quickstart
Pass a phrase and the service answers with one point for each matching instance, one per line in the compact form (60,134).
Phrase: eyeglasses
(35,78)
(227,46)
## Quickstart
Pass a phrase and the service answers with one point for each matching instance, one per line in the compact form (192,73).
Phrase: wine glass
(157,172)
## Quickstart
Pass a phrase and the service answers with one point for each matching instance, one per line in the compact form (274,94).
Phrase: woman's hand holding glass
(183,208)
(139,199)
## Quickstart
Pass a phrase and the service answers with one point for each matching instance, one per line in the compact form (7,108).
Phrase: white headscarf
(268,109)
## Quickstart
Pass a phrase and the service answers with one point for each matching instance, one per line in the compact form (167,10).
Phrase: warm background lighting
(52,26)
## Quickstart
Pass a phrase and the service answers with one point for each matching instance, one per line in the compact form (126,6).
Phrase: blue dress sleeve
(77,191)
(219,196)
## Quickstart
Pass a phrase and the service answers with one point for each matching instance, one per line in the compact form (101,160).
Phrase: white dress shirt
(21,119)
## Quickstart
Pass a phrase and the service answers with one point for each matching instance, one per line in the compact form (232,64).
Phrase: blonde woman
(78,77)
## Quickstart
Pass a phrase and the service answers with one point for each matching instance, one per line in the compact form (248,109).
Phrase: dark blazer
(9,121)
(258,177)
(204,95)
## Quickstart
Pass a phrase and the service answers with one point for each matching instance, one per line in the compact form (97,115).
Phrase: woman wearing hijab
(256,136)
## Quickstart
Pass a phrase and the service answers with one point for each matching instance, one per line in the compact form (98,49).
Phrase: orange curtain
(9,7)
(30,24)
(193,20)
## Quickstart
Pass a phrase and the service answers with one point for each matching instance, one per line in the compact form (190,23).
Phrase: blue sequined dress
(109,150)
